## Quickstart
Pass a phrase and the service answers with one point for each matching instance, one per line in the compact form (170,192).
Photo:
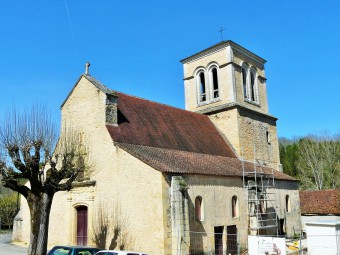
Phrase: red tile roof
(320,202)
(184,162)
(158,125)
(173,140)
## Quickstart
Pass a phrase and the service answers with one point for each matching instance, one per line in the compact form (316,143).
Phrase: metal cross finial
(87,68)
(221,31)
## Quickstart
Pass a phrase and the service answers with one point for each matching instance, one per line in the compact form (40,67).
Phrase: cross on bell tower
(221,31)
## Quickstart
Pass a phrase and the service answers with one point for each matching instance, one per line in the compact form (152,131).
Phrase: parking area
(6,248)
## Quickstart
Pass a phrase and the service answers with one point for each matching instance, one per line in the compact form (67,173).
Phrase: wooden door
(232,248)
(218,232)
(82,226)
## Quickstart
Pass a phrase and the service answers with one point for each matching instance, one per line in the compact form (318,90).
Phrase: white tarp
(323,238)
(264,245)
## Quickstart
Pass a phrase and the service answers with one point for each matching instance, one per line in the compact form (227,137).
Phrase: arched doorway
(81,225)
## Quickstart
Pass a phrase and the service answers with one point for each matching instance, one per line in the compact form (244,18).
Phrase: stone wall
(292,217)
(216,193)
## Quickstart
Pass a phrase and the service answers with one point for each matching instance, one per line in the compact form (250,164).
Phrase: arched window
(234,206)
(244,81)
(268,137)
(199,209)
(207,84)
(249,83)
(202,87)
(288,208)
(253,85)
(214,82)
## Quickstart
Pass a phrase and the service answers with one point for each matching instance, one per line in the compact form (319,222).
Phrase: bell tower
(227,82)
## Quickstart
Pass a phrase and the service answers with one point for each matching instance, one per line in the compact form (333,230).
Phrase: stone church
(172,181)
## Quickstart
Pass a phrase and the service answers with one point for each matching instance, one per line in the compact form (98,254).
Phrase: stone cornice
(247,53)
(223,107)
(226,64)
(215,48)
(262,78)
(188,78)
(85,183)
(220,46)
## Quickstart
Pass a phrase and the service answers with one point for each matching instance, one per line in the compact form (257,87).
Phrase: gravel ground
(6,248)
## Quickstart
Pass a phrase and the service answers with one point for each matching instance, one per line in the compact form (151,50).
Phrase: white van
(111,252)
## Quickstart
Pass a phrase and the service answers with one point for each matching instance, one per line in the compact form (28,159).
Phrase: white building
(323,238)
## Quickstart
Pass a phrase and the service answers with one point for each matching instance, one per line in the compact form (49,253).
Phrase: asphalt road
(6,248)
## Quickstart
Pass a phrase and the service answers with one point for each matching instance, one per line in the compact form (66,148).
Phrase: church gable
(84,106)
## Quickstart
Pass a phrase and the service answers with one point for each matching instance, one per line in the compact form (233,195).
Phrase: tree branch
(14,185)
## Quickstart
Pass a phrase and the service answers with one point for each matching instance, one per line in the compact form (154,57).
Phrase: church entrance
(82,225)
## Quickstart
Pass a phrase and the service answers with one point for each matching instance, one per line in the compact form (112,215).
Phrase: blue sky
(135,47)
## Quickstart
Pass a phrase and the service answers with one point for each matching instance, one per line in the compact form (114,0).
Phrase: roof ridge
(323,190)
(175,163)
(155,102)
(106,89)
(99,84)
(168,149)
(192,152)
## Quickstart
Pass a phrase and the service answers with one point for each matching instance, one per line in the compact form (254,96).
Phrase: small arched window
(202,87)
(215,82)
(252,86)
(244,81)
(198,208)
(234,206)
(268,137)
(288,208)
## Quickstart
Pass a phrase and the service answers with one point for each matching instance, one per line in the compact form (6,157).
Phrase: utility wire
(71,27)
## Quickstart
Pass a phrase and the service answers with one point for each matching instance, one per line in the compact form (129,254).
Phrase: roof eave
(221,45)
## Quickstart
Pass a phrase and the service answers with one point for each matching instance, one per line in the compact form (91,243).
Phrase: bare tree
(32,151)
(319,162)
(331,149)
(311,164)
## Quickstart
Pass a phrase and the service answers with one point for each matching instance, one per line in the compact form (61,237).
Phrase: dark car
(72,250)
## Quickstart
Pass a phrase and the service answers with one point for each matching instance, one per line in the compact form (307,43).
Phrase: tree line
(314,160)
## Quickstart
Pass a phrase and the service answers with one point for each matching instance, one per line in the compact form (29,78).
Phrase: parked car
(111,252)
(72,250)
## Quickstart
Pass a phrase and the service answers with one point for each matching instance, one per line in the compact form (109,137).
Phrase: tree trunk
(40,207)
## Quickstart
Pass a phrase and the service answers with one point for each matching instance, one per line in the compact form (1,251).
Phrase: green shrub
(8,209)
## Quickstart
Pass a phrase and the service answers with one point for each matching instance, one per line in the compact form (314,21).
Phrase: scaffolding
(261,199)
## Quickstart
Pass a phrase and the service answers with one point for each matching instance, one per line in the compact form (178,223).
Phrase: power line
(71,27)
